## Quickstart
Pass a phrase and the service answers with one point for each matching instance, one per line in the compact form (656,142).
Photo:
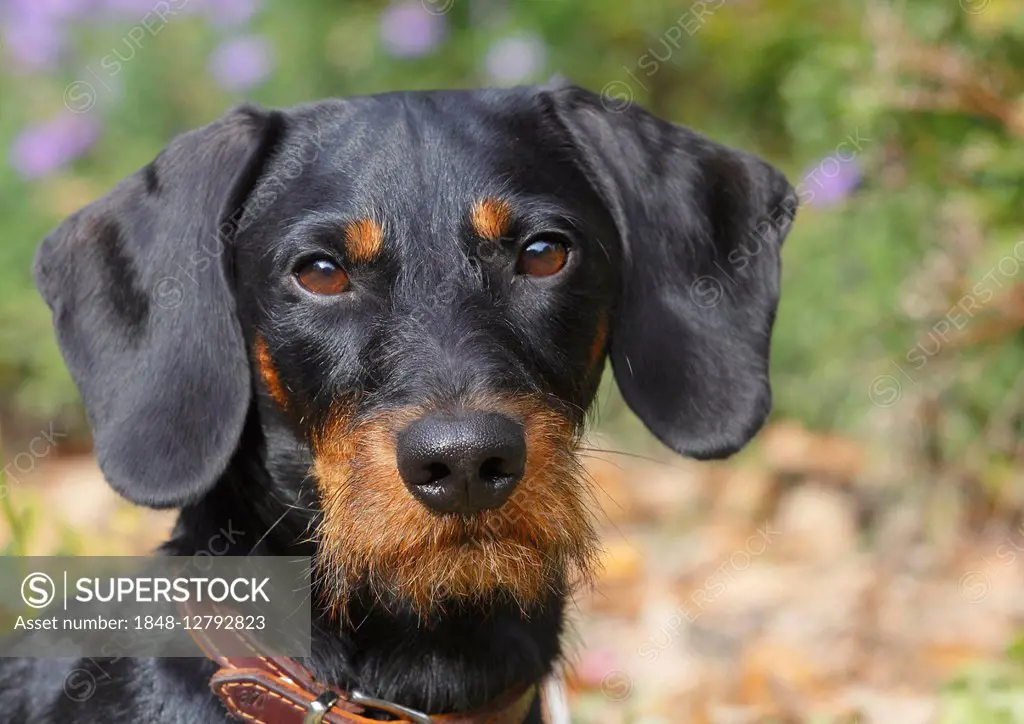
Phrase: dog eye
(322,276)
(542,257)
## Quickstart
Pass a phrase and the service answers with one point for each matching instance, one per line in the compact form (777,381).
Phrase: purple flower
(409,31)
(33,43)
(830,181)
(228,12)
(33,31)
(135,10)
(43,149)
(516,58)
(47,10)
(242,63)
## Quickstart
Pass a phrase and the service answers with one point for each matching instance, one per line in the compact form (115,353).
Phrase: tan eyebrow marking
(363,240)
(268,372)
(491,218)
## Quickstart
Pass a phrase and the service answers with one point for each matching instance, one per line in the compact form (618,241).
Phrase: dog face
(413,295)
(427,313)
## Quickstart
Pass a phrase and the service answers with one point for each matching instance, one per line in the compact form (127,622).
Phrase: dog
(369,331)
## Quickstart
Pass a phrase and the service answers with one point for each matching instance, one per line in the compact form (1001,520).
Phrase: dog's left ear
(138,282)
(701,227)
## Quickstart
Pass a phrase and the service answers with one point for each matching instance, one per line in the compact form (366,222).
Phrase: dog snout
(462,462)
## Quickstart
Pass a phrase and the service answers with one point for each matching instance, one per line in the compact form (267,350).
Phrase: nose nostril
(436,472)
(494,469)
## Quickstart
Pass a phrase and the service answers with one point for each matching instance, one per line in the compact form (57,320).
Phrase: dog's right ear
(138,282)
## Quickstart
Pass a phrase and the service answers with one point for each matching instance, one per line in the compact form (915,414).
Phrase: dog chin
(474,571)
(445,604)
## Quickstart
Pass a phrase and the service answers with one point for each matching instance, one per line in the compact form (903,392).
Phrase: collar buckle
(318,708)
(406,714)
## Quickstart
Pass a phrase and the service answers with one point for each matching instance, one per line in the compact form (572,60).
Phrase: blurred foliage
(901,124)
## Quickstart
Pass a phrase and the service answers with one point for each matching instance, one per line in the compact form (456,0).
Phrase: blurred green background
(901,124)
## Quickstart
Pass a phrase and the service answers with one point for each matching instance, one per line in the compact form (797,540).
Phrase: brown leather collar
(279,690)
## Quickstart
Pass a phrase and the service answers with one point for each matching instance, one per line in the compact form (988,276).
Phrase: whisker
(638,456)
(267,532)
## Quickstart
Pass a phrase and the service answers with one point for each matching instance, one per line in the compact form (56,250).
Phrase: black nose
(464,462)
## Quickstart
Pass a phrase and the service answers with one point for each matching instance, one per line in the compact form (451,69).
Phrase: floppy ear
(145,315)
(701,226)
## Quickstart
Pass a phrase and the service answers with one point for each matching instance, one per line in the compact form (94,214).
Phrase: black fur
(160,289)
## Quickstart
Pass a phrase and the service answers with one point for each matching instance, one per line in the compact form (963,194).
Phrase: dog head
(414,295)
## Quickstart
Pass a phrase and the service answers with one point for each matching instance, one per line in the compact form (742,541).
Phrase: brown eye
(322,276)
(542,258)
